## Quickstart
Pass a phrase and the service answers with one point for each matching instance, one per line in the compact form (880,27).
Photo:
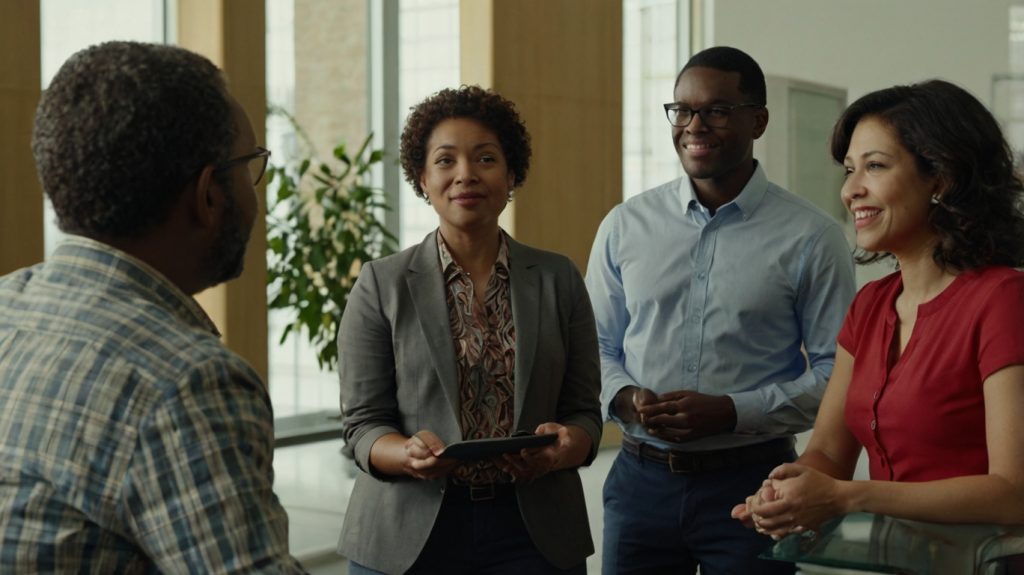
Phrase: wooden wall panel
(233,35)
(561,63)
(21,197)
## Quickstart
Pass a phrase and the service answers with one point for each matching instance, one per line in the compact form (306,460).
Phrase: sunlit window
(67,26)
(428,56)
(296,383)
(1008,90)
(650,63)
(428,61)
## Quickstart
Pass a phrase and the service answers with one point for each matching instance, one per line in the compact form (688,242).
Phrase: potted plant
(323,222)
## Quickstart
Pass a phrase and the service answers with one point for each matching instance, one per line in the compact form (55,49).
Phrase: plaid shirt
(131,439)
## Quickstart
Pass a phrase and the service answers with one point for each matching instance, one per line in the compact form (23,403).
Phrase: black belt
(713,460)
(485,492)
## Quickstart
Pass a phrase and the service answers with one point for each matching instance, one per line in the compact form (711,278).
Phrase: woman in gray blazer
(468,335)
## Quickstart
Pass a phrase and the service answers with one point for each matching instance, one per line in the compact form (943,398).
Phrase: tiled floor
(313,482)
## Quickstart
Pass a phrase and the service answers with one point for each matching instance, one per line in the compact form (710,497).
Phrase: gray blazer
(396,362)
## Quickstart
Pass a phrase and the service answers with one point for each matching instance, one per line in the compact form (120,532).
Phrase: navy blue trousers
(656,521)
(485,537)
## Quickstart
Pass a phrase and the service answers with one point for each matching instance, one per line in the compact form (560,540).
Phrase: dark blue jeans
(485,537)
(656,521)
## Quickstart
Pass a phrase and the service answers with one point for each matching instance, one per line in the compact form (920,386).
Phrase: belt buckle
(481,492)
(677,463)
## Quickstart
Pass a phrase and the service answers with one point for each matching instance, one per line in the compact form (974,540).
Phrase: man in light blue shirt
(718,298)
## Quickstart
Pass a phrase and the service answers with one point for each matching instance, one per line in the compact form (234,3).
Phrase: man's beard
(226,258)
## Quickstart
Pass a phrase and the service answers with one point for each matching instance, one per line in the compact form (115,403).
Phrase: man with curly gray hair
(131,439)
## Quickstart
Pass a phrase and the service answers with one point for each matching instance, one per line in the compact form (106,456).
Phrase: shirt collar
(746,202)
(115,267)
(449,267)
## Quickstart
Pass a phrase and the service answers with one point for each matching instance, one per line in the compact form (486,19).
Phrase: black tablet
(484,448)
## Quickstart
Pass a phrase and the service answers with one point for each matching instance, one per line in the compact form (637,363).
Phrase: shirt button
(691,367)
(874,424)
(877,394)
(701,275)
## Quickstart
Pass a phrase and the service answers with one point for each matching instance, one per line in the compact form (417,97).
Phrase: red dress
(924,419)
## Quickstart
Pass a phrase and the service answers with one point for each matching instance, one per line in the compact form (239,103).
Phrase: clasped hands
(424,450)
(676,416)
(793,499)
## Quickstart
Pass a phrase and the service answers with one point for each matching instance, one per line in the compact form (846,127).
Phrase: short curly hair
(122,129)
(953,137)
(485,106)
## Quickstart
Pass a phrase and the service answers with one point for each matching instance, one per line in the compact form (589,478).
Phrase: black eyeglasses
(717,116)
(256,162)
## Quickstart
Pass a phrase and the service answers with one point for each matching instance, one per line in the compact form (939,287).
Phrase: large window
(425,34)
(652,56)
(67,26)
(1008,89)
(296,383)
(428,56)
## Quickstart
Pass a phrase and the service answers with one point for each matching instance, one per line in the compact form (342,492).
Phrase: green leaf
(284,334)
(316,257)
(328,356)
(339,152)
(278,302)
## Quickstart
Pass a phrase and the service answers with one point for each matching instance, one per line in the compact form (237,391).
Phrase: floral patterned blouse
(485,354)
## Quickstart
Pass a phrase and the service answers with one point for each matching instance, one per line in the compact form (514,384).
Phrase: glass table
(862,542)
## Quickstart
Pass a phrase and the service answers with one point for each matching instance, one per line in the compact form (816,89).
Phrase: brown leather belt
(485,492)
(713,460)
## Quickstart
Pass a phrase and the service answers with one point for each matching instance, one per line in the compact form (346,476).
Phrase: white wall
(865,45)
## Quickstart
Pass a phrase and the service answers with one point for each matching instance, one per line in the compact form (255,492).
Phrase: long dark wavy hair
(953,137)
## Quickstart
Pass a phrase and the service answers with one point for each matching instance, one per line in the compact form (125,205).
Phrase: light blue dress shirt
(723,304)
